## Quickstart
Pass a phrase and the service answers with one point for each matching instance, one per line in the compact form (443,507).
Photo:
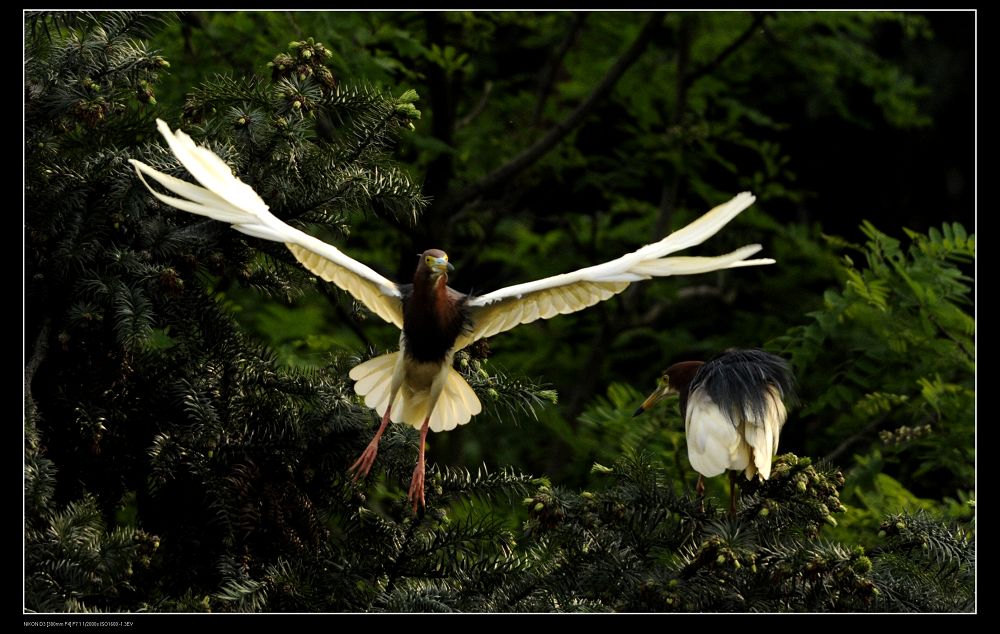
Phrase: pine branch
(399,560)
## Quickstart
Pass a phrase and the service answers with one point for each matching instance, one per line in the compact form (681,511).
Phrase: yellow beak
(441,265)
(654,398)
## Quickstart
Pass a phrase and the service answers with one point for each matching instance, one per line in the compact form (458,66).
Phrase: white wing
(762,434)
(225,197)
(713,442)
(561,294)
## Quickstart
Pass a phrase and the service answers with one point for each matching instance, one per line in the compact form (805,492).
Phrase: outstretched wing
(225,197)
(506,308)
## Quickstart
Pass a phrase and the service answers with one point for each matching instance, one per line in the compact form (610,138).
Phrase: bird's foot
(417,487)
(363,465)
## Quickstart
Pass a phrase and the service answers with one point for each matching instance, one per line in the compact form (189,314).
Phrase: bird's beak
(663,389)
(441,265)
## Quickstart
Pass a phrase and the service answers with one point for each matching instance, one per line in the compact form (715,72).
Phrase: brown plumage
(434,314)
(680,376)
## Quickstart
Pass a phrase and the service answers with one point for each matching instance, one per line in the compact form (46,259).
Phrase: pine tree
(145,403)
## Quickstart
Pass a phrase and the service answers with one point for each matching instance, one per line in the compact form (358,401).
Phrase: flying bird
(733,408)
(418,385)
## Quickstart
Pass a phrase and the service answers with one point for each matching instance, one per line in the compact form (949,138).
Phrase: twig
(870,427)
(668,195)
(758,20)
(478,108)
(548,78)
(668,191)
(941,329)
(527,157)
(37,356)
(290,16)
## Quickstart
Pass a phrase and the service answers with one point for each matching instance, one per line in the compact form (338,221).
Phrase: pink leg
(364,464)
(700,490)
(417,483)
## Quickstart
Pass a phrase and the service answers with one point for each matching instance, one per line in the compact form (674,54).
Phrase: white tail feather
(456,405)
(762,435)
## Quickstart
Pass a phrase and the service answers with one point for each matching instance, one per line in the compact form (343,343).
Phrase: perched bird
(417,385)
(733,408)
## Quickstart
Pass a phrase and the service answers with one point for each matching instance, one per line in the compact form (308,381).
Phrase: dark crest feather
(737,381)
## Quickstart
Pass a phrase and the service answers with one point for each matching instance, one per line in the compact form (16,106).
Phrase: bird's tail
(762,430)
(456,405)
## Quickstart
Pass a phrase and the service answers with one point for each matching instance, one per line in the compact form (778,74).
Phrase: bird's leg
(417,483)
(733,491)
(700,490)
(364,464)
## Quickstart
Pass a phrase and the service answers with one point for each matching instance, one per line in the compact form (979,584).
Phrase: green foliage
(608,429)
(84,69)
(383,559)
(633,545)
(899,340)
(636,545)
(938,560)
(74,563)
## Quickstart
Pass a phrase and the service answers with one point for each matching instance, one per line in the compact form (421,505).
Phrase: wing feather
(506,308)
(762,433)
(713,443)
(224,197)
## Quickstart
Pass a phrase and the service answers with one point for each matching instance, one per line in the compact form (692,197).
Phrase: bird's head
(663,389)
(435,261)
(675,380)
